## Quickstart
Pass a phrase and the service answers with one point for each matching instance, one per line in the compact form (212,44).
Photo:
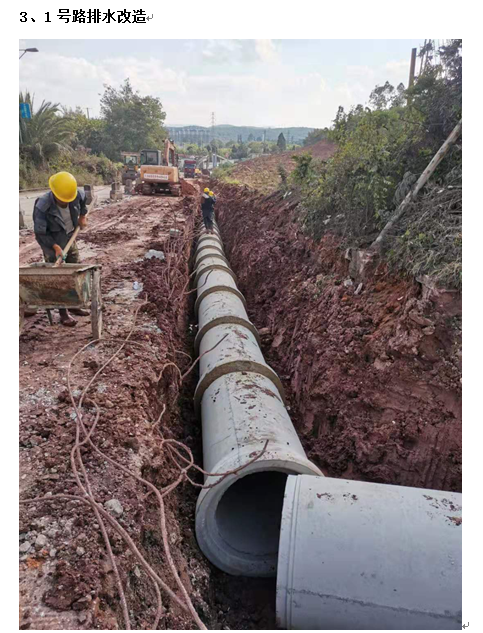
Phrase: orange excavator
(159,171)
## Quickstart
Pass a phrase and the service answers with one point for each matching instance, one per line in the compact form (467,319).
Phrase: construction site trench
(372,382)
(67,579)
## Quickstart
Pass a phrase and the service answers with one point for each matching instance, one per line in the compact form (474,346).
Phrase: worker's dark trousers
(208,220)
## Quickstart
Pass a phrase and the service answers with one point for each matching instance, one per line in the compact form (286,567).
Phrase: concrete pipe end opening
(238,521)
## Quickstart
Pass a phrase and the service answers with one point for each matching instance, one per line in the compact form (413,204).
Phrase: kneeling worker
(56,215)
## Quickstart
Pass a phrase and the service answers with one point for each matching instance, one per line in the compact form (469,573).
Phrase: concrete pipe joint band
(238,520)
(210,245)
(204,232)
(222,306)
(208,238)
(236,351)
(212,263)
(358,555)
(201,256)
(213,280)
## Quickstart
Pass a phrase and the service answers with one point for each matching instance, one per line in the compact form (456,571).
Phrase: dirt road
(27,200)
(67,581)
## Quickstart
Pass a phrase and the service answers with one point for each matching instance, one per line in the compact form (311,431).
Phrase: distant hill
(200,134)
(263,173)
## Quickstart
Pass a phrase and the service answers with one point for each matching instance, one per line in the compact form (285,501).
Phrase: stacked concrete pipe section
(347,554)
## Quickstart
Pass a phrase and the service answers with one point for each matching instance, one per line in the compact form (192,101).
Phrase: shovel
(68,245)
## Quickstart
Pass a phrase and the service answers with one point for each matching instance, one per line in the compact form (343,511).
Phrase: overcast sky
(245,82)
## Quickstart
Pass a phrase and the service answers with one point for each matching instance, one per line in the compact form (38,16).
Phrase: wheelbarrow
(49,287)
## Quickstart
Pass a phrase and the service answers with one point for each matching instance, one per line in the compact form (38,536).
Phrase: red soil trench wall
(374,380)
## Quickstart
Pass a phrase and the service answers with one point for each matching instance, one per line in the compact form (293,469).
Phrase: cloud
(239,51)
(75,81)
(147,76)
(253,88)
(363,72)
(272,95)
(397,72)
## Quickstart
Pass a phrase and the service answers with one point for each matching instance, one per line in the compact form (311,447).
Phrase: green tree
(315,136)
(88,133)
(46,134)
(255,147)
(281,142)
(132,122)
(194,149)
(239,151)
(387,96)
(436,95)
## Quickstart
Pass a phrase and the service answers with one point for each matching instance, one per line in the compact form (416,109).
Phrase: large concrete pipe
(207,252)
(236,350)
(210,242)
(221,307)
(213,280)
(358,555)
(241,403)
(212,263)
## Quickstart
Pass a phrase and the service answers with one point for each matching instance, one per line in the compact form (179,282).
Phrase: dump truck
(130,169)
(189,167)
(159,171)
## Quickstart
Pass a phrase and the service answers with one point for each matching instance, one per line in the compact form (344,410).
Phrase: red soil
(374,379)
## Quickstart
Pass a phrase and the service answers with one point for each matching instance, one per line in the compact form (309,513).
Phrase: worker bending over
(57,213)
(207,209)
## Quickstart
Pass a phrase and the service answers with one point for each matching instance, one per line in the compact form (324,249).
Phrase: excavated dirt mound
(262,173)
(373,374)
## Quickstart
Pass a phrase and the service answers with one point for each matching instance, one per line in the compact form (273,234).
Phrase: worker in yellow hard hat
(207,210)
(56,215)
(212,195)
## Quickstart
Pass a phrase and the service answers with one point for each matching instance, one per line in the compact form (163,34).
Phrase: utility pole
(213,144)
(88,113)
(412,67)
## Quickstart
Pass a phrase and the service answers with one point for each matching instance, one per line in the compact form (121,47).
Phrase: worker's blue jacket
(49,226)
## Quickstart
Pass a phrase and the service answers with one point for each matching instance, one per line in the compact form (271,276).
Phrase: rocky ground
(67,580)
(373,372)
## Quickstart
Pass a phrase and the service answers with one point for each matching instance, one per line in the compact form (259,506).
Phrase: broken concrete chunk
(157,254)
(114,507)
(40,541)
